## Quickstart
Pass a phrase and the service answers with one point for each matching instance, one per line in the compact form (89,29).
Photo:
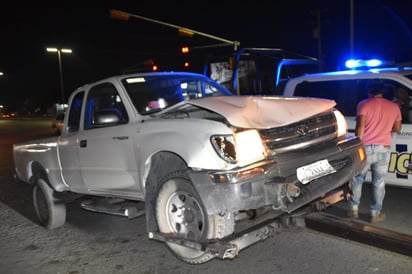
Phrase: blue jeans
(377,160)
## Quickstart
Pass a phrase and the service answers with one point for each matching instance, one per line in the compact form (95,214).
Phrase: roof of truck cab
(144,74)
(400,74)
(356,73)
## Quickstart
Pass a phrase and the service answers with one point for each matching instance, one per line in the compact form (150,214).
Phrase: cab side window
(74,113)
(104,107)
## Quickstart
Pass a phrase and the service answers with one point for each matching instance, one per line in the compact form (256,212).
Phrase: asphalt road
(98,243)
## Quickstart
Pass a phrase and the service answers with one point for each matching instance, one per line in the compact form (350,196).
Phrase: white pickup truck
(209,167)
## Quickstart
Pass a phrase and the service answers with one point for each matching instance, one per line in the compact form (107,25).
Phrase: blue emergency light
(359,63)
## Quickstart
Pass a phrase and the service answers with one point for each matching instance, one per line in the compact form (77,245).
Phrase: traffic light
(185,50)
(150,63)
(120,15)
(186,32)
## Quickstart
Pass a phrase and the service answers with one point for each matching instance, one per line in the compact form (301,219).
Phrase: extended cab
(349,87)
(209,167)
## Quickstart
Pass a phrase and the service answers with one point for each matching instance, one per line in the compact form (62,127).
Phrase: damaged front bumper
(275,183)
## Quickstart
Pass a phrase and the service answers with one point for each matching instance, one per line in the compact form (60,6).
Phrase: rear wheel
(50,211)
(179,210)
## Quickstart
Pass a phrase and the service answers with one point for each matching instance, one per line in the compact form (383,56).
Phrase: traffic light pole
(190,32)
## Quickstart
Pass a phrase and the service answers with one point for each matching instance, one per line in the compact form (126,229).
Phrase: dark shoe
(353,213)
(378,218)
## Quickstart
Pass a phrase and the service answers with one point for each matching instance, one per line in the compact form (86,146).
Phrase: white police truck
(349,87)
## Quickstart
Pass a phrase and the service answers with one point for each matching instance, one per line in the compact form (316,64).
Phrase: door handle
(83,143)
(120,137)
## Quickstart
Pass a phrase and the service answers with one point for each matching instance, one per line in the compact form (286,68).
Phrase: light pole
(121,15)
(59,52)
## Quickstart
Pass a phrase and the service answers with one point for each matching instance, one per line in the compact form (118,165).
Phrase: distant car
(8,115)
(58,123)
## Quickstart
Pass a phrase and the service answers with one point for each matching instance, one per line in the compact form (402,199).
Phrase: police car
(349,87)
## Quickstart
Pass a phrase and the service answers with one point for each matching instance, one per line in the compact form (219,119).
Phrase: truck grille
(316,129)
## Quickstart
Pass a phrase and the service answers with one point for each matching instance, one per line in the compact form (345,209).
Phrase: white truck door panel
(69,159)
(107,159)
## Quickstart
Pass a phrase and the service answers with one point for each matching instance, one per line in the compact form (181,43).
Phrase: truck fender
(161,164)
(38,171)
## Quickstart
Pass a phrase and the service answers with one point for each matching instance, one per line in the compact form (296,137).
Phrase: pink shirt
(380,116)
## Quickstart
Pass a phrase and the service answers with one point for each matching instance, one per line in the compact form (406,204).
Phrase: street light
(59,51)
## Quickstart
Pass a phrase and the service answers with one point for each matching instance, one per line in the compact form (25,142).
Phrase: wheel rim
(185,215)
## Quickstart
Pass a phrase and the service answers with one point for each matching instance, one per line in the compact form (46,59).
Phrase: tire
(179,210)
(50,211)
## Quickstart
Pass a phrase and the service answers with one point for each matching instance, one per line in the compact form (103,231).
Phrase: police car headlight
(242,148)
(342,124)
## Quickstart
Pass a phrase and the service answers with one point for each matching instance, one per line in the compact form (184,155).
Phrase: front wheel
(50,211)
(179,210)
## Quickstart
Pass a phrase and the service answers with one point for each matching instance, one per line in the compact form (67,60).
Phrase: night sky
(103,46)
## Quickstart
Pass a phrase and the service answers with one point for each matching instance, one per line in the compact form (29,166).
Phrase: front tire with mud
(50,210)
(180,211)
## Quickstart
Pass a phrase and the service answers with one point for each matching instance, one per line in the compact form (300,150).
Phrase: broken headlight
(242,148)
(342,124)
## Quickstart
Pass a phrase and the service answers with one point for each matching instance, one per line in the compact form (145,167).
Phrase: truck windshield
(156,92)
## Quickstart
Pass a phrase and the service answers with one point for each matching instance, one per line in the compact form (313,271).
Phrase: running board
(113,208)
(226,248)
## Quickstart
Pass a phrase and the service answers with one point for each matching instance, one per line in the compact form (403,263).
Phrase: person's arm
(397,126)
(360,126)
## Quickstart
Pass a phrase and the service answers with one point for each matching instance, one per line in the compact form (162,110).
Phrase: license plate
(313,171)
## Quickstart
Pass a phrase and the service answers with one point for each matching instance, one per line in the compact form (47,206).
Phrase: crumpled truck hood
(263,112)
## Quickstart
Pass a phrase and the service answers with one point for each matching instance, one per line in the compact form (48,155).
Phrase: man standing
(377,118)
